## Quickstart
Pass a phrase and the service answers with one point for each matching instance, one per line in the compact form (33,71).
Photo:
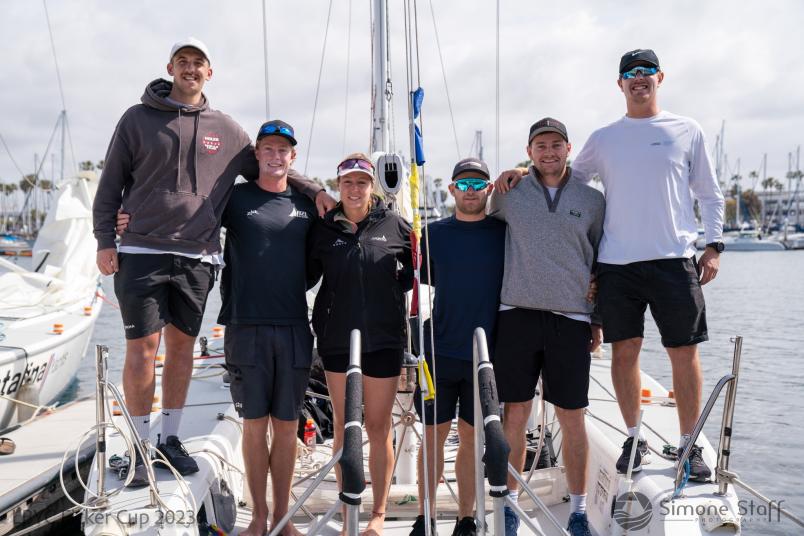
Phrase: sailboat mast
(380,138)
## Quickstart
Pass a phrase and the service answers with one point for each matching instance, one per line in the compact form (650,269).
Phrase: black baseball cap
(640,55)
(471,164)
(277,127)
(548,124)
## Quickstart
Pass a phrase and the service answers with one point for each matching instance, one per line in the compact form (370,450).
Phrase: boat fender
(224,505)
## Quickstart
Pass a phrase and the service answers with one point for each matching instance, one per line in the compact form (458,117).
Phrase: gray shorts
(270,367)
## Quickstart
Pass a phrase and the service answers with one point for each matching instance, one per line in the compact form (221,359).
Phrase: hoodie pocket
(174,215)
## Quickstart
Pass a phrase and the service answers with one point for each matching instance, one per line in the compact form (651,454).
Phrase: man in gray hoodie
(171,165)
(544,326)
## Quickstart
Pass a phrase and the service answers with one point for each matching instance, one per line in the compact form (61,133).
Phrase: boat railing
(350,456)
(492,449)
(724,452)
(723,476)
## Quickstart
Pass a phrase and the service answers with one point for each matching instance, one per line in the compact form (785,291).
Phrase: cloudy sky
(741,62)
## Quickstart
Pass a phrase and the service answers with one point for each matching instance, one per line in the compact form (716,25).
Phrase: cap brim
(291,139)
(471,170)
(543,130)
(637,63)
(365,172)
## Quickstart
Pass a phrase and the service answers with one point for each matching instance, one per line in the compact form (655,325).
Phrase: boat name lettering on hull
(11,383)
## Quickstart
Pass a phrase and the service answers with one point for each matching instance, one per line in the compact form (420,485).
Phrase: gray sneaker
(140,479)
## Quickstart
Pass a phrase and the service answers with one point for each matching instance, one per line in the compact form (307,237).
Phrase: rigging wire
(348,64)
(497,98)
(61,88)
(443,75)
(265,57)
(318,88)
(11,156)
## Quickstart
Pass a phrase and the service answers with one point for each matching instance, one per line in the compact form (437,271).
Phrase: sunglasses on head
(355,163)
(267,130)
(641,69)
(476,184)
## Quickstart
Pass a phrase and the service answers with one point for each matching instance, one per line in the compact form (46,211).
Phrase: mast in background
(381,81)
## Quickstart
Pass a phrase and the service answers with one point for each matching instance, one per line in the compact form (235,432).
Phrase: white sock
(577,503)
(171,418)
(514,496)
(632,433)
(142,424)
(682,442)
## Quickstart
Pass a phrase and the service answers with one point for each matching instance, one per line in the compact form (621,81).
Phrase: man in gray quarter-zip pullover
(554,225)
(171,165)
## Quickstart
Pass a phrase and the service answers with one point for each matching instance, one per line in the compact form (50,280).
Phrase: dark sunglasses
(355,163)
(645,71)
(267,130)
(473,183)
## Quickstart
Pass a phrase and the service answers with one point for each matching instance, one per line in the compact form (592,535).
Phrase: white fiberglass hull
(36,364)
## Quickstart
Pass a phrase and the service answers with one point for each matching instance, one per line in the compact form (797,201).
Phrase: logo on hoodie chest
(211,143)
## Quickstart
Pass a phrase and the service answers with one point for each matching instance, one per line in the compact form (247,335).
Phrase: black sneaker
(640,457)
(465,526)
(177,455)
(419,528)
(699,471)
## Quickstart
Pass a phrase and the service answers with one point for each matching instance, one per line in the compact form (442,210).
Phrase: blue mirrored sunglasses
(644,71)
(267,130)
(476,184)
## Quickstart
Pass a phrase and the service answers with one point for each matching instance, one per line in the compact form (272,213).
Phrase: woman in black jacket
(363,250)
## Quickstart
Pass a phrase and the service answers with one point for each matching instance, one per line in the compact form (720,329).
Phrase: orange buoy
(646,396)
(58,329)
(671,394)
(217,332)
(87,310)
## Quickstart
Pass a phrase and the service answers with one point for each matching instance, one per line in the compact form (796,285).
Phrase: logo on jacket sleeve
(211,143)
(379,238)
(338,242)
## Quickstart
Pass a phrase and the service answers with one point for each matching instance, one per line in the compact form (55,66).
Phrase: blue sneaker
(578,525)
(511,521)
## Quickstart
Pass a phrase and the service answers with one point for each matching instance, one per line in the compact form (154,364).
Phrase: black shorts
(454,390)
(669,286)
(531,342)
(269,367)
(154,290)
(385,363)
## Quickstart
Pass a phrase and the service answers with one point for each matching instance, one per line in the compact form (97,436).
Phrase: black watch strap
(717,246)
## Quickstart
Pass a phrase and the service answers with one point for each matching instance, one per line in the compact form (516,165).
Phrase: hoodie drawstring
(178,157)
(194,176)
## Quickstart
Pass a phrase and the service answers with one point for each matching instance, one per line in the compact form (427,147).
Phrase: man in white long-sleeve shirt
(653,165)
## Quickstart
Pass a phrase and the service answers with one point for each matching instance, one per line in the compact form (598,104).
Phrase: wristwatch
(717,246)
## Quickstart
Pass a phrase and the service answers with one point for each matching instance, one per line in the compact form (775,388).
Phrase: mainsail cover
(63,269)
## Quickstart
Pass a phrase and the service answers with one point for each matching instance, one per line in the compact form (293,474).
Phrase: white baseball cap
(190,42)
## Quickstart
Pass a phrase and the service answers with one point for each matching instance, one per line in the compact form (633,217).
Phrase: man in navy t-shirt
(466,255)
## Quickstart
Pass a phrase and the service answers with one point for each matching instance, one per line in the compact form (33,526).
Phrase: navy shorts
(154,290)
(385,363)
(454,391)
(670,287)
(270,368)
(532,342)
